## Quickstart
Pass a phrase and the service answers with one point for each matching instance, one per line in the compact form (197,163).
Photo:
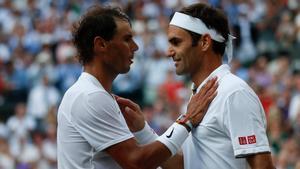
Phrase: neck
(210,63)
(101,74)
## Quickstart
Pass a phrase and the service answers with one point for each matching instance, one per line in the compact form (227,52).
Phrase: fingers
(211,91)
(128,112)
(207,86)
(200,102)
(126,102)
(116,96)
(197,117)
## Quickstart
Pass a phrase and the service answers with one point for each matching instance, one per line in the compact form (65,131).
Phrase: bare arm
(260,161)
(131,155)
(175,162)
(196,109)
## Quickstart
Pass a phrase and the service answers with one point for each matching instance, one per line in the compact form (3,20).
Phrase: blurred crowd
(38,64)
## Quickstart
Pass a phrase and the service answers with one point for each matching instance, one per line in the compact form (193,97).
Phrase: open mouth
(130,60)
(176,61)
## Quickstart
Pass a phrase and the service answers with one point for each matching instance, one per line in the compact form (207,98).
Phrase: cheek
(119,51)
(123,50)
(190,62)
(187,57)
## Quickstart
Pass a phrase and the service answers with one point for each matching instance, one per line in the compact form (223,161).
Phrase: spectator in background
(42,66)
(42,97)
(20,124)
(49,147)
(130,85)
(238,69)
(6,159)
(68,69)
(156,70)
(170,89)
(246,33)
(294,108)
(285,32)
(259,74)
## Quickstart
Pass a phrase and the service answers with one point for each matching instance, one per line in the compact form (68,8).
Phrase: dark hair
(97,21)
(214,19)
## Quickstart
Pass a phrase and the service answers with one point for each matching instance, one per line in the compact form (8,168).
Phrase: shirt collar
(91,78)
(220,72)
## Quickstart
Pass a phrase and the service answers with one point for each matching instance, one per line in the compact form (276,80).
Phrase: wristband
(174,137)
(146,135)
(184,120)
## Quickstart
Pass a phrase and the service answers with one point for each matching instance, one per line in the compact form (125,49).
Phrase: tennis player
(232,134)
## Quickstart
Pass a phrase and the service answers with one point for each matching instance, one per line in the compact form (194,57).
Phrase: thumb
(130,113)
(128,110)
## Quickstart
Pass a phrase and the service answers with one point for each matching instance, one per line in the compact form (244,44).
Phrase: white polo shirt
(233,127)
(89,121)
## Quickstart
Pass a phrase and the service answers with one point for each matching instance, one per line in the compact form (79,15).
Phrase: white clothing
(40,99)
(6,161)
(234,126)
(294,108)
(20,127)
(89,121)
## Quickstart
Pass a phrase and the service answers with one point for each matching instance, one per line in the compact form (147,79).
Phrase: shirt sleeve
(99,120)
(246,124)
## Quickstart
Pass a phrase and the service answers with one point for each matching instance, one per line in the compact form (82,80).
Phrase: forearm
(130,155)
(175,162)
(152,155)
(158,156)
(172,140)
(260,161)
(146,136)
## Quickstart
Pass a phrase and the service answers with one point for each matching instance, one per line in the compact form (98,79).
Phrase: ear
(100,44)
(205,42)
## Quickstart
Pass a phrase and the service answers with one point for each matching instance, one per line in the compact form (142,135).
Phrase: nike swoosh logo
(168,136)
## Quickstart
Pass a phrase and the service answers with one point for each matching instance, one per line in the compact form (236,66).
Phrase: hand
(200,102)
(132,113)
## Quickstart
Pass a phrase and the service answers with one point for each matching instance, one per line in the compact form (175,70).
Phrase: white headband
(196,25)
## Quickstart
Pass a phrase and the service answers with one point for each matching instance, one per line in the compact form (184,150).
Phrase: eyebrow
(128,35)
(174,39)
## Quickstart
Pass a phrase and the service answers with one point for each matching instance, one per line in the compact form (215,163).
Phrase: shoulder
(86,100)
(231,84)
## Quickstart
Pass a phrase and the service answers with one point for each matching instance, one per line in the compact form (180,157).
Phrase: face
(121,48)
(182,52)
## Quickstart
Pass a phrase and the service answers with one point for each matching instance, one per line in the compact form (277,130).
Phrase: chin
(125,70)
(179,72)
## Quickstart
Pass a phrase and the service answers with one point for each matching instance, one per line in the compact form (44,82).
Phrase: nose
(170,52)
(135,47)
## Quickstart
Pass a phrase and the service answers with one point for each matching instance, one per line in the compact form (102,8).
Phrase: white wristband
(146,135)
(174,137)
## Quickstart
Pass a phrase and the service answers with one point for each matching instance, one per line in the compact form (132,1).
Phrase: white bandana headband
(196,25)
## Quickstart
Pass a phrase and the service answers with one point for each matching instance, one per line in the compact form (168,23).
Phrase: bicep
(129,155)
(260,161)
(100,123)
(245,124)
